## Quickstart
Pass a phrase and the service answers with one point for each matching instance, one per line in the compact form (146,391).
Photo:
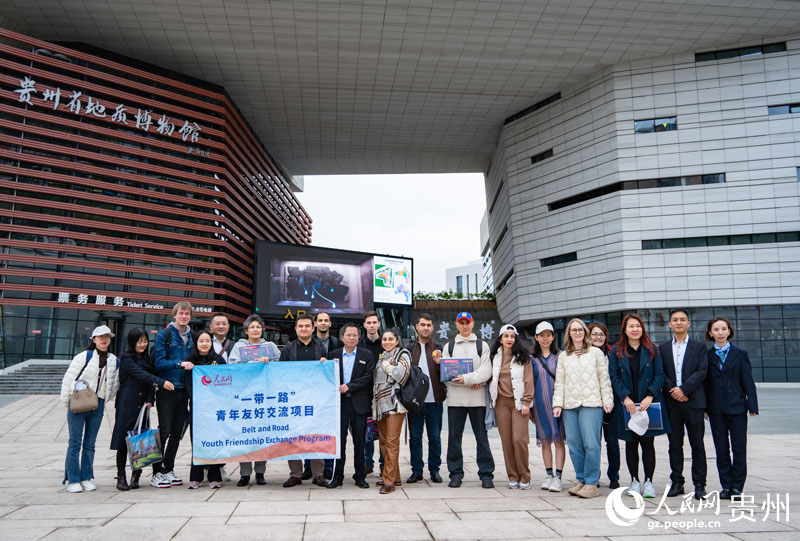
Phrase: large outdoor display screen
(291,277)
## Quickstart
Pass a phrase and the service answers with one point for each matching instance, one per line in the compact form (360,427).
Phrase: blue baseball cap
(464,315)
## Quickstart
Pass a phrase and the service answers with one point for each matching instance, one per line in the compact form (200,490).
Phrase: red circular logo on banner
(206,380)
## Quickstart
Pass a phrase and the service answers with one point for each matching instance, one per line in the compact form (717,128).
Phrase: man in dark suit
(356,368)
(685,367)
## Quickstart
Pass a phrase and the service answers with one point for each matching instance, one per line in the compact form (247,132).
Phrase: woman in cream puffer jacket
(582,391)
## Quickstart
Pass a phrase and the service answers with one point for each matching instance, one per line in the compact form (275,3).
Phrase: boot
(135,479)
(122,482)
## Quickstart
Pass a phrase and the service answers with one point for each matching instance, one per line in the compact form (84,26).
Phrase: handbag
(83,398)
(372,430)
(144,446)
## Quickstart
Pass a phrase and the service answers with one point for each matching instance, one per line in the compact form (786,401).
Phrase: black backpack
(413,392)
(452,343)
(167,341)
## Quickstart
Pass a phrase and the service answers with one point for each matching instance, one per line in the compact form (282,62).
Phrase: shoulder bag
(83,398)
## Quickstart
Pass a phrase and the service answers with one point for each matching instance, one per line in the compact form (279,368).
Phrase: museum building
(125,188)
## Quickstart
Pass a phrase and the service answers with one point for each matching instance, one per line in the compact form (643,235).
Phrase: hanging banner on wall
(265,411)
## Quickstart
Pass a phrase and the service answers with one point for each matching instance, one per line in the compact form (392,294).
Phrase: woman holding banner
(254,327)
(137,386)
(391,372)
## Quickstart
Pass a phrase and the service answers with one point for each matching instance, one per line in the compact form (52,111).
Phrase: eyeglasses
(576,331)
(598,335)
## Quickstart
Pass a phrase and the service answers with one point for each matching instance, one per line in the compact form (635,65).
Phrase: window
(535,107)
(496,197)
(507,278)
(542,156)
(655,125)
(740,51)
(500,237)
(779,109)
(667,182)
(459,285)
(558,259)
(721,240)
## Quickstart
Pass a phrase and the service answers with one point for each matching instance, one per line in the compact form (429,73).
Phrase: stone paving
(34,504)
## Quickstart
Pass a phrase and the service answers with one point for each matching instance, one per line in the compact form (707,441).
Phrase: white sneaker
(547,481)
(513,484)
(74,487)
(225,475)
(172,478)
(556,485)
(88,486)
(194,484)
(635,487)
(525,486)
(160,481)
(649,490)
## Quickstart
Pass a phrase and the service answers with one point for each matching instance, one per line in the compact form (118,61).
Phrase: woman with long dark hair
(96,369)
(138,383)
(202,354)
(637,376)
(598,335)
(549,428)
(511,390)
(391,371)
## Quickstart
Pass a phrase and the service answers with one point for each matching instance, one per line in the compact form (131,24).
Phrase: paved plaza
(35,505)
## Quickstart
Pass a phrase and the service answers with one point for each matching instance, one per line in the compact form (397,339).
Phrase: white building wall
(723,127)
(470,275)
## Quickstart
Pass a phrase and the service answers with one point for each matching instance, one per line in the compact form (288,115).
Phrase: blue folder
(653,412)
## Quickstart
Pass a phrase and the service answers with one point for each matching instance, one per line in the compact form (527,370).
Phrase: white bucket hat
(639,422)
(101,330)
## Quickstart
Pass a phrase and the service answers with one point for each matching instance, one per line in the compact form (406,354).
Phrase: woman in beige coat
(581,393)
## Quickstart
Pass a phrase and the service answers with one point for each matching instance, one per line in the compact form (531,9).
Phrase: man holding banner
(356,368)
(306,348)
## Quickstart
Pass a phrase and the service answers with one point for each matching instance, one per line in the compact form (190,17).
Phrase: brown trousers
(296,468)
(389,430)
(513,428)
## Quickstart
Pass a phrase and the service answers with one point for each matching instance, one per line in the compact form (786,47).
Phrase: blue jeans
(456,419)
(83,429)
(582,426)
(430,416)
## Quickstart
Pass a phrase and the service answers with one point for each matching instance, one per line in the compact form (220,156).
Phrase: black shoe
(736,493)
(455,482)
(700,492)
(725,494)
(487,483)
(244,480)
(335,483)
(134,484)
(413,478)
(328,474)
(122,482)
(306,475)
(260,479)
(436,478)
(360,484)
(368,470)
(675,489)
(614,483)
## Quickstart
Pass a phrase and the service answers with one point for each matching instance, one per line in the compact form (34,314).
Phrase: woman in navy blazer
(730,394)
(643,386)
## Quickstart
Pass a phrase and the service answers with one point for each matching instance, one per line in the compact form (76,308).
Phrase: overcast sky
(435,219)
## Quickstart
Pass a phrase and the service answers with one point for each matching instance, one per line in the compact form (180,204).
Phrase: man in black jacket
(306,348)
(685,367)
(371,341)
(323,334)
(426,354)
(356,368)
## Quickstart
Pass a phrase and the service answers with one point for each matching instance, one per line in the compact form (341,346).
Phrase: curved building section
(125,188)
(665,183)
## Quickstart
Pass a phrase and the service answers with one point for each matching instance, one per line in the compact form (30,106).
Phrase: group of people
(572,395)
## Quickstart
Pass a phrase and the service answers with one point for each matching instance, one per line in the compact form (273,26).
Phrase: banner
(265,411)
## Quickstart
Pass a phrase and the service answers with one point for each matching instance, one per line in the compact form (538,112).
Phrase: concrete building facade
(656,184)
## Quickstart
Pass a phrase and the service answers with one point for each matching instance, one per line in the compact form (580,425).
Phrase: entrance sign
(265,411)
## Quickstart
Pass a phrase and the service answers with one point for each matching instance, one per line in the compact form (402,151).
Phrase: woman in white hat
(511,389)
(95,368)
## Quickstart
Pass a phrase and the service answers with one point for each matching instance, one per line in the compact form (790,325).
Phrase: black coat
(333,344)
(289,351)
(693,371)
(730,389)
(360,386)
(137,384)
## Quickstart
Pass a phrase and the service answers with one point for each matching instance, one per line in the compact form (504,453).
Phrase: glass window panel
(761,238)
(778,110)
(652,245)
(693,180)
(695,242)
(771,312)
(774,47)
(790,236)
(713,179)
(704,57)
(643,126)
(666,124)
(648,183)
(730,53)
(749,51)
(673,243)
(718,241)
(773,347)
(745,313)
(669,182)
(741,239)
